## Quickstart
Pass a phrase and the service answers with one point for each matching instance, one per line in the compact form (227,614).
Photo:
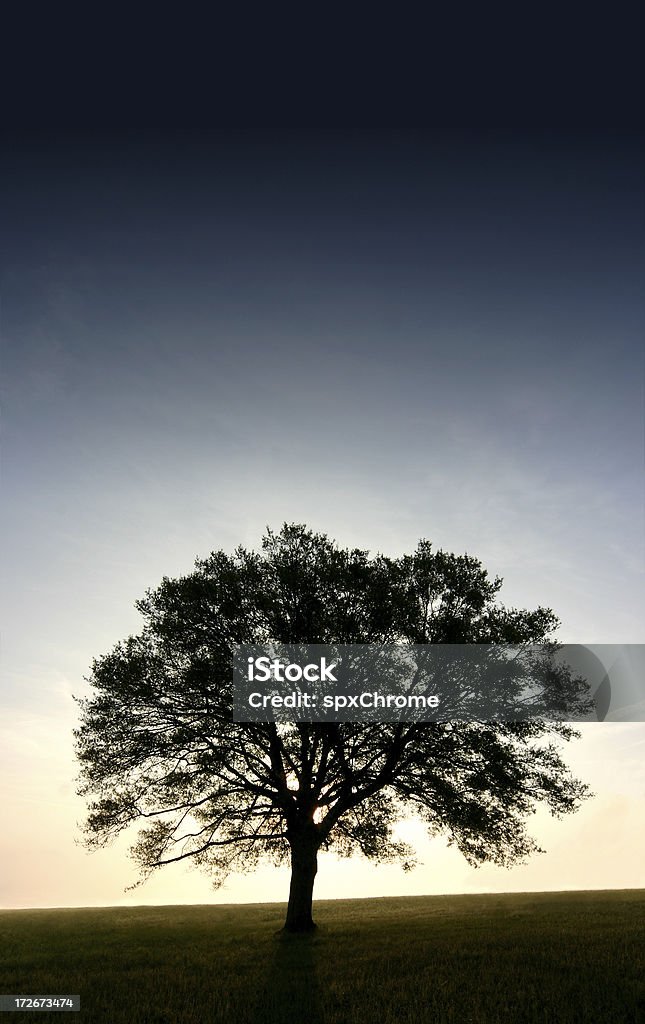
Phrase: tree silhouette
(158,747)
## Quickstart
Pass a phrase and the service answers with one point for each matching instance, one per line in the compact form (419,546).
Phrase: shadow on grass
(291,990)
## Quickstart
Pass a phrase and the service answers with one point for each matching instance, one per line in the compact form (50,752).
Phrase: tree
(158,747)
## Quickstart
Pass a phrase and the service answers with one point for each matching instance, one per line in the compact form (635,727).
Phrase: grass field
(551,958)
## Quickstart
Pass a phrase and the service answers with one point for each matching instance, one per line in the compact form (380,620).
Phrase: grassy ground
(541,958)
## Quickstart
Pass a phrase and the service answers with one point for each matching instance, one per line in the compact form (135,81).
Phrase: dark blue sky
(387,335)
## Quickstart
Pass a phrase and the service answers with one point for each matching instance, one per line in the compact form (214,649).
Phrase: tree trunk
(304,865)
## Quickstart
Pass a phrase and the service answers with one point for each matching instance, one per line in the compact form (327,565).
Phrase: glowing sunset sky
(383,337)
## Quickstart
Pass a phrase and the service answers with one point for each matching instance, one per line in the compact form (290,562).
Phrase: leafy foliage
(158,747)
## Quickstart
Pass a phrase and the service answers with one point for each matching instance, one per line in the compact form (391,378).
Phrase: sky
(386,336)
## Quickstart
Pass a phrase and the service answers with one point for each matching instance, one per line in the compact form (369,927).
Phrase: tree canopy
(158,747)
